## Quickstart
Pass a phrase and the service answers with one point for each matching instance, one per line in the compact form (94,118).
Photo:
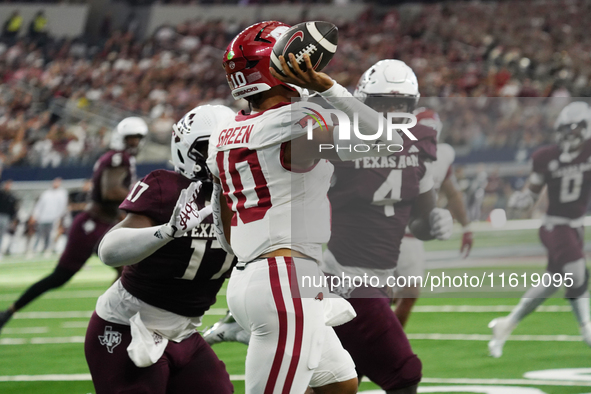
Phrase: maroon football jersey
(569,183)
(372,199)
(112,159)
(185,275)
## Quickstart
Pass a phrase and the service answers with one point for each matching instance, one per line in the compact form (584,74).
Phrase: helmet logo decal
(298,34)
(230,55)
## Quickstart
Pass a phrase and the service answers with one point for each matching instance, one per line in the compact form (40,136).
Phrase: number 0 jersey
(273,206)
(185,275)
(569,183)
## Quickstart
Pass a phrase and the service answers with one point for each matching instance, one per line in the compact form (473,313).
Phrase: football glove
(441,223)
(186,215)
(467,241)
(522,200)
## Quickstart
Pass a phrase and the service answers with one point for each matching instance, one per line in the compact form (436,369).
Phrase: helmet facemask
(391,103)
(200,171)
(571,136)
(131,148)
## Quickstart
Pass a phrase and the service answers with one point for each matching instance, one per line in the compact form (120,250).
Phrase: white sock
(581,308)
(530,301)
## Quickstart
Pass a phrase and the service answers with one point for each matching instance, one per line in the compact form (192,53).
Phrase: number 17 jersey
(183,276)
(274,207)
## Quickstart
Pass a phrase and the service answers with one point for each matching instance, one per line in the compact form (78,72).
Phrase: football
(318,39)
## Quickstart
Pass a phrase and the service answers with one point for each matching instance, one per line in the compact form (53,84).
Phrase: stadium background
(62,91)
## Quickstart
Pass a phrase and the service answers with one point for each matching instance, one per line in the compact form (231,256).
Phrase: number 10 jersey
(274,207)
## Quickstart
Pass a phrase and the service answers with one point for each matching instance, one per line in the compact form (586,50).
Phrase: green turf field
(41,349)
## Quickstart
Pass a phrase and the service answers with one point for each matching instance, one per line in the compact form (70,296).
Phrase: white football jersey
(441,166)
(273,206)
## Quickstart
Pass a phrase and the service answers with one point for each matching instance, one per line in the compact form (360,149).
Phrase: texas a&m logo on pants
(111,338)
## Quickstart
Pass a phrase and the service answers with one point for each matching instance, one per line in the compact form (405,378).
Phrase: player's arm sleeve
(340,98)
(217,214)
(130,245)
(212,163)
(212,153)
(137,237)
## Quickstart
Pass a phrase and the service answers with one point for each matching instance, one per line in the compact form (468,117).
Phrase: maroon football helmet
(246,60)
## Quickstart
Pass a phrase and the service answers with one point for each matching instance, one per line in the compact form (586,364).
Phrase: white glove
(522,200)
(441,223)
(185,216)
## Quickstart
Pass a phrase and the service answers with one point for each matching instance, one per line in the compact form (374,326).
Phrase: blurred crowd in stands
(457,49)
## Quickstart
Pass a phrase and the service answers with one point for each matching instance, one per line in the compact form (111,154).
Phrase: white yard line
(52,315)
(75,324)
(41,340)
(78,314)
(528,382)
(58,295)
(70,294)
(484,308)
(26,330)
(222,311)
(480,337)
(435,337)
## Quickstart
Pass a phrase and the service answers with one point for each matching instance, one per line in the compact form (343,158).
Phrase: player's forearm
(455,204)
(221,217)
(369,119)
(126,246)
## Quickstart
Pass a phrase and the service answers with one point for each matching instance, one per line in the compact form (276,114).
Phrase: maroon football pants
(190,366)
(564,245)
(377,343)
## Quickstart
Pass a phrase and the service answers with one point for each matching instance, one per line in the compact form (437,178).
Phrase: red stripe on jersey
(220,162)
(299,327)
(263,193)
(282,313)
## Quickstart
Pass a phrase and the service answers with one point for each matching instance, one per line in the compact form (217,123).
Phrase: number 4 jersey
(569,182)
(185,275)
(371,203)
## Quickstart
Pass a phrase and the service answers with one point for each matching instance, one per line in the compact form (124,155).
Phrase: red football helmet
(246,60)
